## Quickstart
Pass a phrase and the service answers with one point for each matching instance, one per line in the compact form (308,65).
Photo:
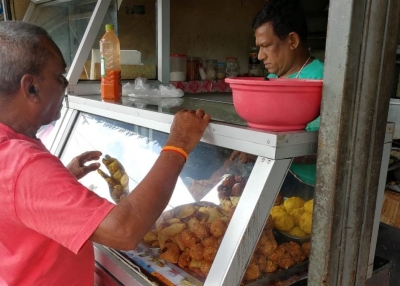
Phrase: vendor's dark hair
(21,52)
(285,16)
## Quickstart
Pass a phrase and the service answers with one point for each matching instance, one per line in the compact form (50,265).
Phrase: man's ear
(30,89)
(294,40)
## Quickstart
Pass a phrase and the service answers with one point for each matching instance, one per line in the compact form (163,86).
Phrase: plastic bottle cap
(109,27)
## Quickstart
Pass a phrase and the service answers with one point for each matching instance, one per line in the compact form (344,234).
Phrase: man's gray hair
(21,52)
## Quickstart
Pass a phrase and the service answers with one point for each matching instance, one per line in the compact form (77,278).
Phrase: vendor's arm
(128,222)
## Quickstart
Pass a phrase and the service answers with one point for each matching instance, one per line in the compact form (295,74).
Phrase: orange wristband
(177,150)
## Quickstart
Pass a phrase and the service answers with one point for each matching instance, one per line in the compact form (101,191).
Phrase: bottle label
(103,67)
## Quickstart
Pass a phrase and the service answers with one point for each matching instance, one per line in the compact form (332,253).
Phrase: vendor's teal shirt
(314,70)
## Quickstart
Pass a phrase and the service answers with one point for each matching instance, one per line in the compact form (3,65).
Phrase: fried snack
(297,231)
(293,203)
(252,272)
(205,267)
(259,259)
(277,211)
(278,200)
(270,267)
(305,222)
(150,237)
(184,259)
(296,214)
(209,252)
(305,247)
(267,244)
(196,252)
(235,201)
(171,253)
(192,222)
(201,230)
(284,222)
(278,252)
(173,229)
(218,228)
(294,250)
(309,206)
(178,240)
(186,211)
(285,261)
(269,225)
(189,239)
(210,241)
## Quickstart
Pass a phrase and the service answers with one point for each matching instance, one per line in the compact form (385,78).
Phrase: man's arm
(128,222)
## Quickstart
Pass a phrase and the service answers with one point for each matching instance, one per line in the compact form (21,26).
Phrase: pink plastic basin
(276,104)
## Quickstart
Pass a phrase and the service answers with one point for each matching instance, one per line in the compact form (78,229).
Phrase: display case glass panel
(48,133)
(66,22)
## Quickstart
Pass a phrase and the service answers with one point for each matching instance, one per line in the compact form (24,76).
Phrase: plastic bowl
(276,104)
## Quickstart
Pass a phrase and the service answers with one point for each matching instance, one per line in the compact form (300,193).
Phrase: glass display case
(211,190)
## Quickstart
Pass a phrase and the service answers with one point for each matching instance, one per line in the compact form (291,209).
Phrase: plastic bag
(142,89)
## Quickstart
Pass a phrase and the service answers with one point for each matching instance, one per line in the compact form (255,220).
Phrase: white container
(177,70)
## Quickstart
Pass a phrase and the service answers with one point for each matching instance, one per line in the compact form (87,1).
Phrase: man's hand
(77,166)
(187,128)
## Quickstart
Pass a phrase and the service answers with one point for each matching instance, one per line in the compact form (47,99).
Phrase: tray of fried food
(293,219)
(189,235)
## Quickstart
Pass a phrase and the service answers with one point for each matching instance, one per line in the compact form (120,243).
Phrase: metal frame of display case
(275,152)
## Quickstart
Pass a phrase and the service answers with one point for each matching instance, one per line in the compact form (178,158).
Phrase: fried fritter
(305,222)
(275,256)
(184,259)
(189,238)
(252,272)
(218,228)
(294,251)
(268,244)
(210,252)
(269,225)
(201,230)
(196,252)
(270,267)
(205,267)
(285,261)
(305,247)
(293,203)
(210,241)
(171,253)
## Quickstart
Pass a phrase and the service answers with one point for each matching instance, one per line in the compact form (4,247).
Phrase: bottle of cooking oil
(110,55)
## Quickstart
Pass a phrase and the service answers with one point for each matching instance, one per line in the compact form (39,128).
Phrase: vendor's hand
(77,166)
(187,128)
(243,157)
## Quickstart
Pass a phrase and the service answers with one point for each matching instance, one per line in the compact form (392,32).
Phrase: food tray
(283,237)
(285,277)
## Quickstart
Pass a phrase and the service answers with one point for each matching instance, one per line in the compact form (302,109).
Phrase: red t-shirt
(46,217)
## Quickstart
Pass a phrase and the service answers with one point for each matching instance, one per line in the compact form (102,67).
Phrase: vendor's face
(276,54)
(52,85)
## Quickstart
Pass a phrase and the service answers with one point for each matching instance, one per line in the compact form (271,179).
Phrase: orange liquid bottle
(110,66)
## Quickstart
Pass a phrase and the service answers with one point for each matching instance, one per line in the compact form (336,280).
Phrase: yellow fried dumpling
(297,231)
(277,211)
(293,203)
(305,222)
(284,222)
(297,213)
(308,206)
